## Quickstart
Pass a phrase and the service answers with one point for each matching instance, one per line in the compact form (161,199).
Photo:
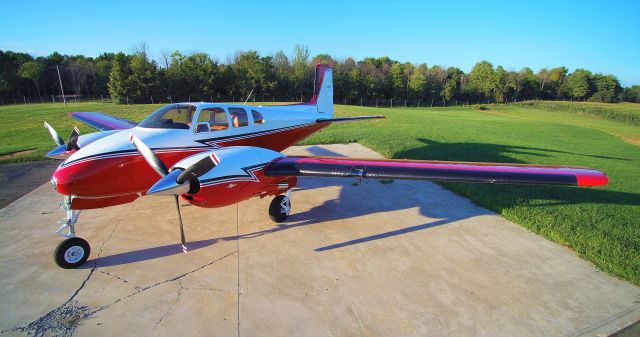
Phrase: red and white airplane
(214,154)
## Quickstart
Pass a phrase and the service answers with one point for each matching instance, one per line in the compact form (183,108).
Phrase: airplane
(217,154)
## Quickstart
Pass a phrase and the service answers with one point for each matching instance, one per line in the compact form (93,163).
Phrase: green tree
(578,83)
(143,79)
(632,94)
(397,80)
(300,68)
(418,81)
(607,89)
(481,78)
(527,84)
(32,70)
(119,87)
(500,82)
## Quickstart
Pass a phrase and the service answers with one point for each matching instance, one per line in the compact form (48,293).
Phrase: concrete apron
(400,258)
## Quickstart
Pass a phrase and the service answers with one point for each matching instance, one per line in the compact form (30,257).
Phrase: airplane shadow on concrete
(359,199)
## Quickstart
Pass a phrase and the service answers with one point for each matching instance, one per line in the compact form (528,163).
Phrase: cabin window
(216,117)
(238,117)
(257,117)
(175,116)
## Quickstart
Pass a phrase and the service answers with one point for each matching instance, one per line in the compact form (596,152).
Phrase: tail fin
(323,89)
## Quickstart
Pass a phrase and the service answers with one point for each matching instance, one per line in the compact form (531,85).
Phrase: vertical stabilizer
(323,89)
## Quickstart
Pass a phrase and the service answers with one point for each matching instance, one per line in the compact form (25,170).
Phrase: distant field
(623,112)
(600,224)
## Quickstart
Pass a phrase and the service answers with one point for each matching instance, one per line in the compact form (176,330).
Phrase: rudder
(323,89)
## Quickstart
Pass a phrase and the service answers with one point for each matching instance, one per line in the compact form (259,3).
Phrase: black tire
(71,253)
(276,212)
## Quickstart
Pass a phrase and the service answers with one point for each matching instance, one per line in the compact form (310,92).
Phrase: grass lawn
(600,224)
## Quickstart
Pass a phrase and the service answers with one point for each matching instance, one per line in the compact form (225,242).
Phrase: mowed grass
(601,224)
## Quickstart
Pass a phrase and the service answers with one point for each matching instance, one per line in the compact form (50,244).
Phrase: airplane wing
(103,122)
(435,170)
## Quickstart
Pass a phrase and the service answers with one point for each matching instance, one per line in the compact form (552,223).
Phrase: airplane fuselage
(109,171)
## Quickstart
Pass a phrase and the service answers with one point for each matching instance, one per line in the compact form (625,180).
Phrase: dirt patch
(16,154)
(629,139)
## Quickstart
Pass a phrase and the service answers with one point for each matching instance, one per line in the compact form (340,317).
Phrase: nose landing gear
(73,251)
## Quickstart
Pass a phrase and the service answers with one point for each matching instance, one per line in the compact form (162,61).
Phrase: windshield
(175,116)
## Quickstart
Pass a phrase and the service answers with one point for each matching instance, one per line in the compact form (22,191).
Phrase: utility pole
(61,89)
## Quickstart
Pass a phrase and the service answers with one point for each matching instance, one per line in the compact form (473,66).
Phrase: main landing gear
(280,207)
(73,251)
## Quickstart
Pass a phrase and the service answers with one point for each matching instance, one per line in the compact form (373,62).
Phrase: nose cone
(62,181)
(168,185)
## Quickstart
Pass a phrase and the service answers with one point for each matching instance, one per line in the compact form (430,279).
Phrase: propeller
(176,182)
(72,142)
(56,137)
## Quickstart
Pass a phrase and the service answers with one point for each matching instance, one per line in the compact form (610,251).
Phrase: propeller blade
(184,242)
(201,167)
(149,156)
(72,143)
(56,137)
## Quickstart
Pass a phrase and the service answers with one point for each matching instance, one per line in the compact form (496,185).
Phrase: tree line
(137,78)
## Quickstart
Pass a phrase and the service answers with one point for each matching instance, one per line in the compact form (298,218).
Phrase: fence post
(151,99)
(127,99)
(53,100)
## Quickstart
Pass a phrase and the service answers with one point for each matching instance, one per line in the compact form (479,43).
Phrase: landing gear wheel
(280,208)
(71,253)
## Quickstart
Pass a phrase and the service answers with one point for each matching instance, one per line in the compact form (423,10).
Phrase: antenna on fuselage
(249,96)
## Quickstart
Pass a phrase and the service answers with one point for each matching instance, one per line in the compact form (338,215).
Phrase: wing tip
(591,179)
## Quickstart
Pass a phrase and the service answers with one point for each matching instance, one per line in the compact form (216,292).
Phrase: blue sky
(602,36)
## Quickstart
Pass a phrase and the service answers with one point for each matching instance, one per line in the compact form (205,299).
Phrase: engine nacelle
(238,176)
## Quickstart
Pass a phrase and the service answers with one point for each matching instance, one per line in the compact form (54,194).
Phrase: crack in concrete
(114,276)
(140,290)
(172,305)
(63,320)
(143,289)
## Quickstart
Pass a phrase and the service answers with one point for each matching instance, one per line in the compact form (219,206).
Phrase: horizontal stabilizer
(347,119)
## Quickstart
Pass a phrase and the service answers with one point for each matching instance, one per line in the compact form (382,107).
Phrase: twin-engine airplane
(213,155)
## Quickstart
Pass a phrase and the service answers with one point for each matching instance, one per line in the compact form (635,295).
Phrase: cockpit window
(175,116)
(257,117)
(238,117)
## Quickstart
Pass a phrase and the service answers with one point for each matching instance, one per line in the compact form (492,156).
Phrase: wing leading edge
(436,170)
(103,122)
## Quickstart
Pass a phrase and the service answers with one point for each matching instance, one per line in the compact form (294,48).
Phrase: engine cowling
(238,176)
